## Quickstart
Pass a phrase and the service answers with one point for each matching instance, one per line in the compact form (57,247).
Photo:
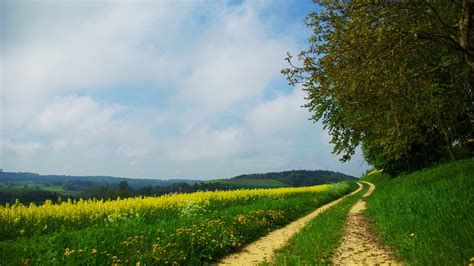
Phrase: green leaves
(385,74)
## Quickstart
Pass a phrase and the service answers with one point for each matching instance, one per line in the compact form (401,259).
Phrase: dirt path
(262,249)
(360,242)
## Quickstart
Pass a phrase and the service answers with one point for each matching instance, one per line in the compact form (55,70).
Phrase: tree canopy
(393,77)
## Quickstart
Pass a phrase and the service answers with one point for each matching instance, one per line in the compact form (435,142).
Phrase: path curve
(371,188)
(262,249)
(360,243)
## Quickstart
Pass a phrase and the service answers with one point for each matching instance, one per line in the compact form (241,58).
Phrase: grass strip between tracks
(316,242)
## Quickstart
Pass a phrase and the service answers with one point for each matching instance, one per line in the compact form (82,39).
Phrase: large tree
(394,77)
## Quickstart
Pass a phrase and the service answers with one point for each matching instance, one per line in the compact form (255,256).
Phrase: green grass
(316,242)
(31,186)
(28,187)
(427,216)
(195,238)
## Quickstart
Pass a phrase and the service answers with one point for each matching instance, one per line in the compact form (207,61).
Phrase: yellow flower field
(190,229)
(34,219)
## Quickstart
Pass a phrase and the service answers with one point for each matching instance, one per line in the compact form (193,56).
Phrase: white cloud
(283,115)
(82,125)
(236,61)
(105,45)
(20,149)
(79,114)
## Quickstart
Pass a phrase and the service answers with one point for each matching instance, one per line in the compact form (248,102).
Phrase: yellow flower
(93,251)
(412,234)
(68,252)
(66,214)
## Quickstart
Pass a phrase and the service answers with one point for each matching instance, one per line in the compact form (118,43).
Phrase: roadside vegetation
(426,216)
(184,228)
(395,78)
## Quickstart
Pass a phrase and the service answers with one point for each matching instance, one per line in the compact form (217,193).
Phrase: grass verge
(426,216)
(316,242)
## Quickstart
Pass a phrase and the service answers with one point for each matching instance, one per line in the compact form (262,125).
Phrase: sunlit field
(172,229)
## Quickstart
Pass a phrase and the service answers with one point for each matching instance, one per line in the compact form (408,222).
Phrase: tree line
(298,178)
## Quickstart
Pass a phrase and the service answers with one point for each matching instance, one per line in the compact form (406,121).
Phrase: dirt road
(360,243)
(263,249)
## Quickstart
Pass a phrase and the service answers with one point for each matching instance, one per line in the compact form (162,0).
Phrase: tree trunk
(465,32)
(449,144)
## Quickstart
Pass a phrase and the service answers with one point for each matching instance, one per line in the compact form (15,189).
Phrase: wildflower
(93,251)
(412,234)
(68,252)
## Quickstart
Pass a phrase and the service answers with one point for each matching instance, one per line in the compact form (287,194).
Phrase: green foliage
(426,215)
(195,238)
(316,242)
(390,75)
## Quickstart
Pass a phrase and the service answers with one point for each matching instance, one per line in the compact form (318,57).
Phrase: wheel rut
(360,244)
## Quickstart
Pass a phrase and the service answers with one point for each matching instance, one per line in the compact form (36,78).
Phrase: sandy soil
(360,245)
(263,249)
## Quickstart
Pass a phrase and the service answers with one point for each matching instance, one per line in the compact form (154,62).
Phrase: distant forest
(297,178)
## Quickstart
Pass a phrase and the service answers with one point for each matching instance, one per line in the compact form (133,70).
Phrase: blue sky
(156,89)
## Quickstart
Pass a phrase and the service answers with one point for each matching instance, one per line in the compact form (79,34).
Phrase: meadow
(191,229)
(426,216)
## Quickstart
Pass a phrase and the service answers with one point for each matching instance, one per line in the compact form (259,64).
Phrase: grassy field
(30,186)
(190,229)
(250,183)
(427,216)
(316,242)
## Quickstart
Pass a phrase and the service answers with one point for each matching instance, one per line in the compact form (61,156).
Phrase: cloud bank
(164,89)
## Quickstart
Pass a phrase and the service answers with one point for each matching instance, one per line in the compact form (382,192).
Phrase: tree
(123,185)
(395,77)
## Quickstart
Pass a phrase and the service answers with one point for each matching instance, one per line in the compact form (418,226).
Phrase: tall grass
(427,216)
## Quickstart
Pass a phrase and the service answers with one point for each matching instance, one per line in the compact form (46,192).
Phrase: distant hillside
(246,183)
(19,178)
(297,178)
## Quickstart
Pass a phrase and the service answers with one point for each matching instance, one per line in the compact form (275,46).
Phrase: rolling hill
(25,178)
(296,178)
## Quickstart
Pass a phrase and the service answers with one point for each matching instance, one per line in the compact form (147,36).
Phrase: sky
(156,89)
